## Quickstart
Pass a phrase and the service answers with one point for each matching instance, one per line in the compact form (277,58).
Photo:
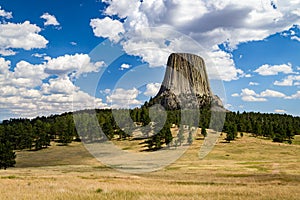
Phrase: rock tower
(186,84)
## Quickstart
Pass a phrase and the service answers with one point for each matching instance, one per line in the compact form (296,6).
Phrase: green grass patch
(9,177)
(191,183)
(252,163)
(126,148)
(173,168)
(296,140)
(236,175)
(258,168)
(99,190)
(197,183)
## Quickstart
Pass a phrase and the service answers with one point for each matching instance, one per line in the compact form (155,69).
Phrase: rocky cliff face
(186,74)
(186,84)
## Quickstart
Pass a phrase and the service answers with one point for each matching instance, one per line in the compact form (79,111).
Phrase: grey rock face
(186,74)
(186,84)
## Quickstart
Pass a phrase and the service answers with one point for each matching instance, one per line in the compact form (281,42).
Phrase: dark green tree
(42,139)
(229,136)
(290,134)
(231,132)
(108,130)
(167,135)
(164,136)
(145,119)
(203,131)
(7,155)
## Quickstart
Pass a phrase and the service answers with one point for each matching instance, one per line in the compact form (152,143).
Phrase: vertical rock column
(185,79)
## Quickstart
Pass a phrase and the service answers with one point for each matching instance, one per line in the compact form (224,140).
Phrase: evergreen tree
(278,137)
(157,141)
(164,136)
(7,155)
(167,135)
(145,119)
(42,138)
(108,130)
(203,131)
(290,134)
(229,136)
(231,132)
(28,135)
(258,129)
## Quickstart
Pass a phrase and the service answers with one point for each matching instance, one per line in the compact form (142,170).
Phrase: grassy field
(248,168)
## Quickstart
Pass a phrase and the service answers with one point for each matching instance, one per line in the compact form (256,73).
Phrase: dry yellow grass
(248,168)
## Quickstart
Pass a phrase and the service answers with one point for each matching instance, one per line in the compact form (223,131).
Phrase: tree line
(277,127)
(36,134)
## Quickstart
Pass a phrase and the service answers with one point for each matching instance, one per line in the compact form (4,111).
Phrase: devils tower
(186,84)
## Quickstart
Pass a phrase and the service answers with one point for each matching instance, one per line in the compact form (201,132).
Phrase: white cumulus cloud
(107,28)
(125,66)
(61,85)
(253,84)
(152,89)
(253,99)
(7,52)
(295,38)
(106,91)
(268,70)
(39,55)
(20,36)
(272,93)
(28,75)
(208,23)
(31,90)
(122,98)
(294,96)
(280,111)
(288,81)
(224,66)
(251,96)
(75,64)
(50,20)
(5,14)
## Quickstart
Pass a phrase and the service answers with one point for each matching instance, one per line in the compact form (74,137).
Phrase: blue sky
(57,56)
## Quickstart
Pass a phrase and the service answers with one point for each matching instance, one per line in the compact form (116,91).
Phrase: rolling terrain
(248,168)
